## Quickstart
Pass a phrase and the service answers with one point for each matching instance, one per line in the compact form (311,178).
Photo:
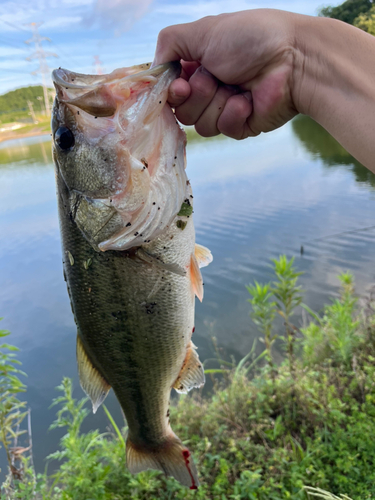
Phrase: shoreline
(32,133)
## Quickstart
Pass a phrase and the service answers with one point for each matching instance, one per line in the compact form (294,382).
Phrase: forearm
(334,82)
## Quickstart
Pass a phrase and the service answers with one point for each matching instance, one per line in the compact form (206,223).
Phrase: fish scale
(133,305)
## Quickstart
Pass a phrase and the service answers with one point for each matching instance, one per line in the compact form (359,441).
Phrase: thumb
(181,41)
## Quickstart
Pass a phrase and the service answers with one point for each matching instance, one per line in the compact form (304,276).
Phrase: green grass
(193,136)
(298,430)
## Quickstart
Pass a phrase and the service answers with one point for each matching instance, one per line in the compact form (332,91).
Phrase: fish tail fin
(172,458)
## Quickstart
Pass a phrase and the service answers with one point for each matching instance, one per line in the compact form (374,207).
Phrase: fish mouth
(101,95)
(69,80)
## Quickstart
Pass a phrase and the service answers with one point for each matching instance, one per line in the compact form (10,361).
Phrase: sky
(119,32)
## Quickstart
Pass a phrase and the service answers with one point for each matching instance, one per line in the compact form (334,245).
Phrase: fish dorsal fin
(192,373)
(92,382)
(203,255)
(196,277)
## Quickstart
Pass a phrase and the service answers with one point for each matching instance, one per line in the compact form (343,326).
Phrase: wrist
(333,81)
(322,62)
(309,64)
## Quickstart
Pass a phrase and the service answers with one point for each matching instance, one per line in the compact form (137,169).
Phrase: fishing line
(367,228)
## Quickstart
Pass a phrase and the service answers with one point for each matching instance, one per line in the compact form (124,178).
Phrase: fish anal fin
(92,381)
(171,457)
(203,255)
(192,372)
(196,277)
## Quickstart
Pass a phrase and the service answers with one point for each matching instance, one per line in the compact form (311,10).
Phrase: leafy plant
(20,481)
(263,314)
(282,296)
(288,297)
(336,335)
(79,452)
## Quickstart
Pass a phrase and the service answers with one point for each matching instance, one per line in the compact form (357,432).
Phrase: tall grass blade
(244,359)
(114,425)
(312,313)
(318,492)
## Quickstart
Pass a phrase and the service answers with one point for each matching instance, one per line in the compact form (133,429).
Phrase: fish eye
(64,138)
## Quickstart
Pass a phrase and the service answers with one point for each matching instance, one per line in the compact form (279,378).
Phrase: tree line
(359,13)
(14,104)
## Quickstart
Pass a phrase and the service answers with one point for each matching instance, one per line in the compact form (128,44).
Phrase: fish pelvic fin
(92,382)
(192,372)
(171,457)
(196,277)
(203,255)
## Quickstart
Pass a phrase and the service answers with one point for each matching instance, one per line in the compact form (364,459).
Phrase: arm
(335,82)
(275,64)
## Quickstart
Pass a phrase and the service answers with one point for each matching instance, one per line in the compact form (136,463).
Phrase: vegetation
(14,107)
(360,13)
(366,21)
(348,11)
(297,430)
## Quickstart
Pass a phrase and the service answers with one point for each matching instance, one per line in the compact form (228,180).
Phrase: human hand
(238,71)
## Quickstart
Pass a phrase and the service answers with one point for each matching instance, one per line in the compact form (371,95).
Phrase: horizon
(88,28)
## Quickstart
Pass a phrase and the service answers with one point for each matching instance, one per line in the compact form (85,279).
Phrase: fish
(130,260)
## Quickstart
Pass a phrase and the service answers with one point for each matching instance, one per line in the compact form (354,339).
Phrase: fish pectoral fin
(203,255)
(92,381)
(196,277)
(192,373)
(152,259)
(171,457)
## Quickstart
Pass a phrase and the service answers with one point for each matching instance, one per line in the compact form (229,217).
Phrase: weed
(20,481)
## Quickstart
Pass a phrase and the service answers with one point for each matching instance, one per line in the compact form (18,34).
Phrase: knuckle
(205,130)
(164,36)
(231,130)
(184,116)
(202,86)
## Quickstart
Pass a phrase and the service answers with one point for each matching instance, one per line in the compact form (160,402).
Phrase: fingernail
(248,96)
(231,88)
(203,70)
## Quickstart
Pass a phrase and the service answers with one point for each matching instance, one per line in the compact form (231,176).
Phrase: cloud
(196,10)
(201,9)
(6,51)
(117,15)
(61,22)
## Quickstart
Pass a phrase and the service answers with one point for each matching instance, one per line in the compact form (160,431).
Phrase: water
(254,200)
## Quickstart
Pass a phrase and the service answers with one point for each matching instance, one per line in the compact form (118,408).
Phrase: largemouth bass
(129,254)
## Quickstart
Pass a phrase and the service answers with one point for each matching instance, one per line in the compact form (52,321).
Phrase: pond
(254,200)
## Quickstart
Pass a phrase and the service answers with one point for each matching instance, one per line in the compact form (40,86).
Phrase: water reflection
(34,150)
(322,145)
